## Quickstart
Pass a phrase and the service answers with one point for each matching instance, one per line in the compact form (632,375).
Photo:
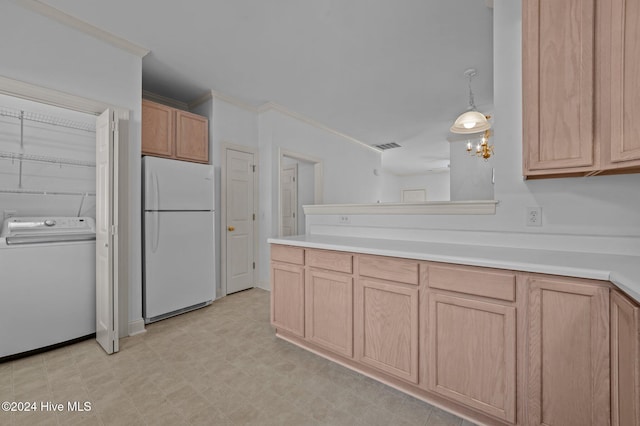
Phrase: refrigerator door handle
(156,193)
(155,234)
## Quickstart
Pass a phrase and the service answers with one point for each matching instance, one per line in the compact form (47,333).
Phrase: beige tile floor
(220,365)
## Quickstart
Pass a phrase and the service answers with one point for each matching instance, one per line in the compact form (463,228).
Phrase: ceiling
(376,70)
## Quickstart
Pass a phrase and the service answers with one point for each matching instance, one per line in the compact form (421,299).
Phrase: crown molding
(268,106)
(221,96)
(234,101)
(82,26)
(200,100)
(277,107)
(150,96)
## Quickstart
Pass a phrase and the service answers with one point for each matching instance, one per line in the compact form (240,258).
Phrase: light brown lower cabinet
(287,297)
(471,353)
(387,327)
(568,353)
(329,310)
(496,346)
(625,361)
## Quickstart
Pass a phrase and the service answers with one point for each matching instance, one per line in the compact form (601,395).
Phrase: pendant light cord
(472,104)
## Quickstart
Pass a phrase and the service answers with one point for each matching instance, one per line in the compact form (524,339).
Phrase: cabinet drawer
(287,254)
(334,261)
(389,268)
(472,280)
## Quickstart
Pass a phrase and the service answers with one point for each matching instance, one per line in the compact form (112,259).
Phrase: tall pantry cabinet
(581,87)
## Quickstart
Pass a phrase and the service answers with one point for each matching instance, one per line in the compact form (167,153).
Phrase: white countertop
(623,271)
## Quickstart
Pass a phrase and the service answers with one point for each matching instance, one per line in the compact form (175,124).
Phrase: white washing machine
(47,282)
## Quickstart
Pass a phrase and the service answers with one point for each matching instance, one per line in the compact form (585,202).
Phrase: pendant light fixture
(471,122)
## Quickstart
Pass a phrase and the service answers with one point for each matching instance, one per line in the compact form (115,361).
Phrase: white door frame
(318,184)
(56,98)
(224,146)
(294,167)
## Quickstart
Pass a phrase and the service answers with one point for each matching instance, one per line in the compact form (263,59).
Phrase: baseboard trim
(136,327)
(264,285)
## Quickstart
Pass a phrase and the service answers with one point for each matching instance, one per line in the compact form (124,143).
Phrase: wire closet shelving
(21,156)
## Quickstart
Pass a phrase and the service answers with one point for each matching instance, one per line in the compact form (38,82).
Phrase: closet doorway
(60,158)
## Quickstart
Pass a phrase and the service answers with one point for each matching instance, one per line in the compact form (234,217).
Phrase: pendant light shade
(470,122)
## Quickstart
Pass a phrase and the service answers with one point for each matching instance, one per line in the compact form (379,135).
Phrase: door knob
(231,229)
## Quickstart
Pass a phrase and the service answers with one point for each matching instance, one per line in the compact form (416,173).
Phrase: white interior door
(240,215)
(288,200)
(106,235)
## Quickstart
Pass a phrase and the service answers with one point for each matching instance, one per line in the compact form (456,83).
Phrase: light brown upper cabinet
(623,86)
(172,133)
(157,129)
(558,85)
(581,87)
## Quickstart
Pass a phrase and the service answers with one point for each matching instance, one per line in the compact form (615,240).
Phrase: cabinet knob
(231,229)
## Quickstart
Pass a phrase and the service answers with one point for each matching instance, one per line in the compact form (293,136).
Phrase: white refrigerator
(178,248)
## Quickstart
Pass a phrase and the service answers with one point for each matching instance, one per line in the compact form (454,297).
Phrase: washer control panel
(47,226)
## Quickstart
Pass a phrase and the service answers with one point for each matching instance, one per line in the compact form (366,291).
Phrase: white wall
(602,210)
(43,52)
(348,170)
(436,183)
(228,123)
(471,177)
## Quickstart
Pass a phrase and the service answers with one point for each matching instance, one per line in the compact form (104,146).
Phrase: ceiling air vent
(386,146)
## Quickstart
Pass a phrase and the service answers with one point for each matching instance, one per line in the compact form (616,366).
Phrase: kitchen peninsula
(498,335)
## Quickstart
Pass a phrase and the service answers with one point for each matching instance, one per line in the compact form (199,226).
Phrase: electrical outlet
(344,220)
(534,216)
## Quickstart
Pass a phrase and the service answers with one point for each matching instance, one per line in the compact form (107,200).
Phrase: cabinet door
(624,81)
(388,340)
(287,298)
(329,311)
(558,85)
(568,353)
(157,129)
(625,361)
(192,137)
(472,353)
